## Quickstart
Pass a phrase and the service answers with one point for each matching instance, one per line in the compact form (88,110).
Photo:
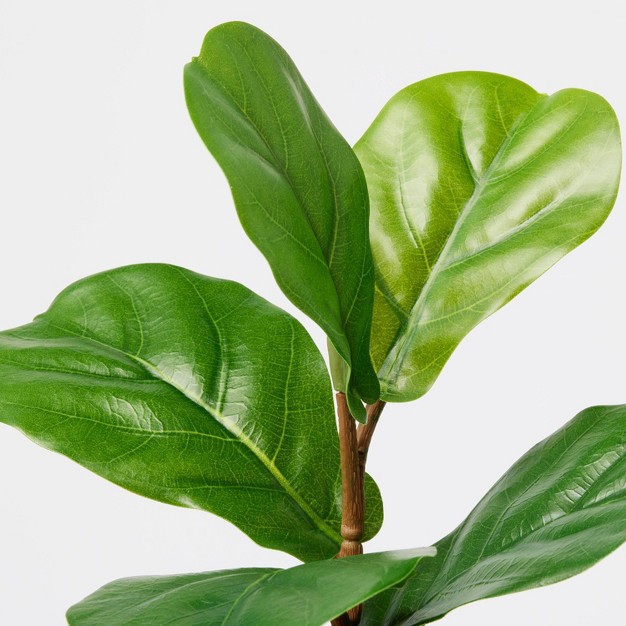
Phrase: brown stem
(365,432)
(353,447)
(353,496)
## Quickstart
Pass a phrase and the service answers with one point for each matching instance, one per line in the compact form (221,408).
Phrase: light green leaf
(478,184)
(189,390)
(307,595)
(560,509)
(298,187)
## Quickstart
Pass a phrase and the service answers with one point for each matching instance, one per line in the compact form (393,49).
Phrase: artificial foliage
(464,190)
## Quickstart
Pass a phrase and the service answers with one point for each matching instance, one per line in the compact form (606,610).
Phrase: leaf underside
(478,184)
(189,390)
(307,595)
(560,509)
(298,187)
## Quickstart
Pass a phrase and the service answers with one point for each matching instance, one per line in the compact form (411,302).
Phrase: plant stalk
(354,445)
(353,497)
(365,432)
(342,620)
(352,489)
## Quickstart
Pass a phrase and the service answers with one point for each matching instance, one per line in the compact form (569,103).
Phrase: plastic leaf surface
(560,509)
(478,184)
(160,380)
(298,187)
(307,595)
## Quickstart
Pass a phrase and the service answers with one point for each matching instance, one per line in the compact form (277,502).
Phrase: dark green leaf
(161,381)
(307,595)
(478,184)
(298,187)
(560,509)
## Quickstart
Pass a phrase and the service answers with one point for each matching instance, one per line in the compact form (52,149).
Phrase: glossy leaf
(298,187)
(189,390)
(478,184)
(307,595)
(557,511)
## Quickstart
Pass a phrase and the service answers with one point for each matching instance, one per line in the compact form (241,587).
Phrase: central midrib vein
(241,436)
(403,342)
(256,451)
(335,330)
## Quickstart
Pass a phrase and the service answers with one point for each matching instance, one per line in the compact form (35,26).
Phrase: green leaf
(478,184)
(297,185)
(560,509)
(189,390)
(307,595)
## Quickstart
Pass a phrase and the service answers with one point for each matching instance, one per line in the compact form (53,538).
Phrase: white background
(101,167)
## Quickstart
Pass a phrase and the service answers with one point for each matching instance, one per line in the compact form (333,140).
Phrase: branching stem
(365,432)
(352,489)
(354,444)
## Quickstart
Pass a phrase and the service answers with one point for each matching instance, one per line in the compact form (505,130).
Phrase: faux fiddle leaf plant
(465,189)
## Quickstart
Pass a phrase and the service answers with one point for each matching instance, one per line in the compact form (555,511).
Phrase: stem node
(354,445)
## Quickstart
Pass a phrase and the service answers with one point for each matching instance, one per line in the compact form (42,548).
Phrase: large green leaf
(298,187)
(189,390)
(307,595)
(478,184)
(557,511)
